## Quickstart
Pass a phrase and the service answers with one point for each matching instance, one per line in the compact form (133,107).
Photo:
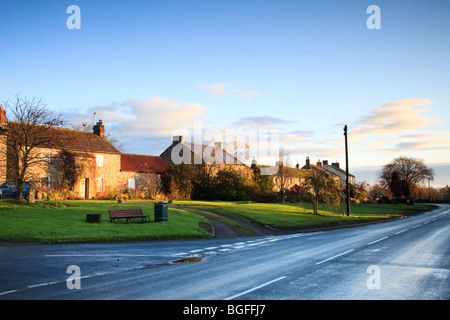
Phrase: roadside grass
(299,216)
(65,221)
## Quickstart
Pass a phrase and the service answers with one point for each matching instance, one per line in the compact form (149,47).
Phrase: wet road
(403,259)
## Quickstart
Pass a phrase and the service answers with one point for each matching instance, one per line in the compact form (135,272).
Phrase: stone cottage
(214,156)
(83,162)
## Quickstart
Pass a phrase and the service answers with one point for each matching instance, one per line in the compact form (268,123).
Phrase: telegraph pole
(347,186)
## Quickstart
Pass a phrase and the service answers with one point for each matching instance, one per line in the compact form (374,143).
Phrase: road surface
(402,259)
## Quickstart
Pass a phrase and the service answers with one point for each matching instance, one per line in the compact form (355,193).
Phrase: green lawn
(55,222)
(65,221)
(289,215)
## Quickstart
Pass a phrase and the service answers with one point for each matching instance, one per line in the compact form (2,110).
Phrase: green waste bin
(161,212)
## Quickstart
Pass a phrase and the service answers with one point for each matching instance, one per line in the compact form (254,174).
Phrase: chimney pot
(176,139)
(99,129)
(218,145)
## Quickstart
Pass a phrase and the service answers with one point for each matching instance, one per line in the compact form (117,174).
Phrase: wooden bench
(128,214)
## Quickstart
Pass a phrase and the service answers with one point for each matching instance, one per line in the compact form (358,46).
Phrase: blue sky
(304,68)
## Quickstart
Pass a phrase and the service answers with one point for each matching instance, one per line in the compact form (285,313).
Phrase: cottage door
(86,191)
(84,188)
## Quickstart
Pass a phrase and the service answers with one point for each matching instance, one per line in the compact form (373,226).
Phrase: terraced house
(86,163)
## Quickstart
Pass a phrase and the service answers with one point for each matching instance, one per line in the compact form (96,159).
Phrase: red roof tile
(142,163)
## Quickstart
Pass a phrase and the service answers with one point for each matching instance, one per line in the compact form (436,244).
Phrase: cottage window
(100,160)
(46,155)
(99,184)
(45,182)
(131,183)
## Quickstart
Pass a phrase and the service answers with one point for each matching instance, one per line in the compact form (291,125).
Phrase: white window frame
(100,160)
(48,185)
(99,184)
(46,155)
(132,183)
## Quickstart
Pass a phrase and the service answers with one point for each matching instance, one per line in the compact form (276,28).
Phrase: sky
(301,69)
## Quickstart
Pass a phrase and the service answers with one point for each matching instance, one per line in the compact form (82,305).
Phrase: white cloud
(215,89)
(261,122)
(413,142)
(404,127)
(140,117)
(393,117)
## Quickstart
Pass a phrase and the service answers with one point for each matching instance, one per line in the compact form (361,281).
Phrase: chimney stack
(2,115)
(218,145)
(177,139)
(99,129)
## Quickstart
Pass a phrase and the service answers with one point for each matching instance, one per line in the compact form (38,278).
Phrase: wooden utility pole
(347,186)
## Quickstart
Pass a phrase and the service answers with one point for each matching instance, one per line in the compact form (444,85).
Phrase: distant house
(292,178)
(85,162)
(190,153)
(336,170)
(331,170)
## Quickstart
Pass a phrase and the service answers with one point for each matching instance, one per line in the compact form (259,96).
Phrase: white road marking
(8,292)
(38,285)
(255,288)
(338,255)
(377,240)
(194,251)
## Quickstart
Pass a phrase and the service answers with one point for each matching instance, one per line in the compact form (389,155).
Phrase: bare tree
(410,172)
(28,126)
(83,126)
(149,182)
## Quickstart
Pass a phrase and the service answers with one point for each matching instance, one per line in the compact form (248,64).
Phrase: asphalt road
(403,259)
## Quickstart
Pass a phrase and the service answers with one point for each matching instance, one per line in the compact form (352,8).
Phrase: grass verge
(65,221)
(299,216)
(58,222)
